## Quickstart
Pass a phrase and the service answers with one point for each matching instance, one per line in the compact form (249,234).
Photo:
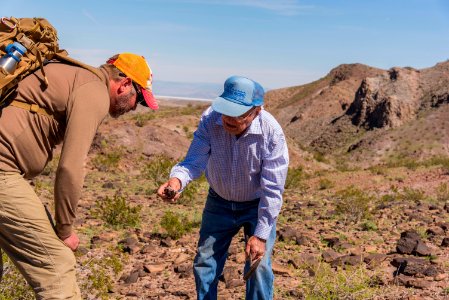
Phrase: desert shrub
(13,286)
(442,193)
(294,178)
(368,226)
(118,213)
(378,170)
(442,161)
(176,224)
(157,170)
(414,195)
(349,283)
(192,190)
(325,184)
(108,160)
(101,275)
(353,204)
(320,157)
(143,118)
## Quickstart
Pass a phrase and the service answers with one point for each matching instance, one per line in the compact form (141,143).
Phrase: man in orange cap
(68,111)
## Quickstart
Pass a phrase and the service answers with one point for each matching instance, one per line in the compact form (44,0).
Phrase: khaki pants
(28,238)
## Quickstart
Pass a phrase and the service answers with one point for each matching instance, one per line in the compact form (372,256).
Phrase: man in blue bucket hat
(243,152)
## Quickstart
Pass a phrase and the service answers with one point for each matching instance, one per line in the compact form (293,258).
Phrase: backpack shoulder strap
(61,56)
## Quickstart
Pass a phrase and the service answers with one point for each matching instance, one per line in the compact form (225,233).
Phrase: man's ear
(125,85)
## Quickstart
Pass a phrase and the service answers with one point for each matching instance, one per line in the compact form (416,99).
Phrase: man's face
(123,99)
(238,125)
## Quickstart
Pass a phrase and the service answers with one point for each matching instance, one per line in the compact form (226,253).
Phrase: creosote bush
(102,273)
(157,170)
(118,213)
(294,178)
(13,286)
(353,204)
(176,224)
(349,283)
(108,160)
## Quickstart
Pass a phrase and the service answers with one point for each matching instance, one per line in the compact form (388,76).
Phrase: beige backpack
(40,39)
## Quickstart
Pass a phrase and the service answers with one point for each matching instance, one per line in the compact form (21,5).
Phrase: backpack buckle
(34,108)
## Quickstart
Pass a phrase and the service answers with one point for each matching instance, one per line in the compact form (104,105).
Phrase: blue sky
(278,43)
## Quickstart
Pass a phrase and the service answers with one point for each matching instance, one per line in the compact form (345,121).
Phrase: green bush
(176,224)
(108,160)
(414,195)
(353,204)
(442,193)
(118,213)
(325,183)
(101,275)
(349,283)
(294,178)
(157,171)
(13,286)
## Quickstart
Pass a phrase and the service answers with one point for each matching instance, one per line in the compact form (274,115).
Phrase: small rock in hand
(169,192)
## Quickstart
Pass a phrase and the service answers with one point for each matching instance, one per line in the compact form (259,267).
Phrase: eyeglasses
(139,96)
(245,115)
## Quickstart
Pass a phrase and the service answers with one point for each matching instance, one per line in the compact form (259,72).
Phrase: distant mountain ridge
(368,115)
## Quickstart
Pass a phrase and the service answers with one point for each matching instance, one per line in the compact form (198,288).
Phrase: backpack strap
(62,57)
(34,108)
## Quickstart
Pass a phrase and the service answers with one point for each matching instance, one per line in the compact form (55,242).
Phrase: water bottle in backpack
(9,61)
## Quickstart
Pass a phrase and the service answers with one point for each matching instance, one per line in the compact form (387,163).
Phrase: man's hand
(255,248)
(169,190)
(72,241)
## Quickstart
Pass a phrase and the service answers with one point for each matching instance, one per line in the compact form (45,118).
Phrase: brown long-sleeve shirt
(79,101)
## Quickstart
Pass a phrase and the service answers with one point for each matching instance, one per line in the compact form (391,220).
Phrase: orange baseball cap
(136,67)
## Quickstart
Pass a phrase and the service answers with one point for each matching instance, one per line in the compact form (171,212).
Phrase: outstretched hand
(255,248)
(72,241)
(169,190)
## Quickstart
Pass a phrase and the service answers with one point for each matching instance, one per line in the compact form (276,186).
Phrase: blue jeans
(222,220)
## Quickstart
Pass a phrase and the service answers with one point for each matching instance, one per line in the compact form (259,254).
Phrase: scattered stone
(279,269)
(154,268)
(330,255)
(408,242)
(422,249)
(352,260)
(332,242)
(291,234)
(149,248)
(445,242)
(414,267)
(181,258)
(167,242)
(231,277)
(374,259)
(184,270)
(132,277)
(435,231)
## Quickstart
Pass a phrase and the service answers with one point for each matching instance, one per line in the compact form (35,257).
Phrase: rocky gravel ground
(378,233)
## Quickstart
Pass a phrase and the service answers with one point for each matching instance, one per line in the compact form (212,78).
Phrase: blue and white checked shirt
(250,167)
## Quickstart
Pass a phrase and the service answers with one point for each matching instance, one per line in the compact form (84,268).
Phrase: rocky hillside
(369,114)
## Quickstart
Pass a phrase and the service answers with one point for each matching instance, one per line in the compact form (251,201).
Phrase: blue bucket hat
(240,95)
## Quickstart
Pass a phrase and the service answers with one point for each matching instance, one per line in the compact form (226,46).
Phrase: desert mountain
(368,114)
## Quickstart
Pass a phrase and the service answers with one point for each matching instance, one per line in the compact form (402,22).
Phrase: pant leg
(28,238)
(217,230)
(260,285)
